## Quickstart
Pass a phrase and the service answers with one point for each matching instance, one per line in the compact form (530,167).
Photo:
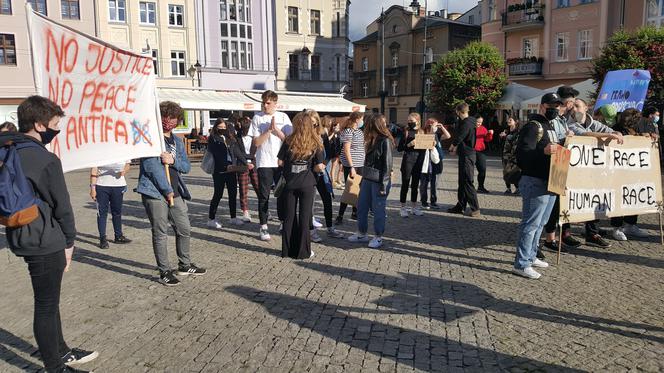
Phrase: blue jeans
(370,198)
(109,195)
(535,211)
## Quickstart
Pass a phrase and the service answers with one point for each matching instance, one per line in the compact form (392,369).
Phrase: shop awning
(198,99)
(322,103)
(586,88)
(515,94)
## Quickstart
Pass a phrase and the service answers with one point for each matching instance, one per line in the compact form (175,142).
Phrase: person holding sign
(411,166)
(163,193)
(483,137)
(431,169)
(464,144)
(537,141)
(352,155)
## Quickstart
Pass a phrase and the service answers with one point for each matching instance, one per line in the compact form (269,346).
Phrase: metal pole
(382,92)
(424,59)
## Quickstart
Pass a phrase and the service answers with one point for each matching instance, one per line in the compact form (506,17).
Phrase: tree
(643,50)
(474,74)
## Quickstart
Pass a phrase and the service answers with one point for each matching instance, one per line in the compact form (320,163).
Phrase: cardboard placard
(607,180)
(558,171)
(425,141)
(352,191)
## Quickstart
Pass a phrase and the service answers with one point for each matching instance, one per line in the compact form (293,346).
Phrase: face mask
(168,124)
(360,125)
(412,125)
(579,117)
(655,119)
(551,113)
(48,135)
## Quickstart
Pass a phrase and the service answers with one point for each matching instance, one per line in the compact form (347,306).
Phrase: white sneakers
(407,211)
(634,230)
(246,216)
(316,223)
(376,242)
(236,221)
(618,234)
(527,272)
(418,211)
(540,263)
(265,234)
(357,237)
(214,224)
(404,212)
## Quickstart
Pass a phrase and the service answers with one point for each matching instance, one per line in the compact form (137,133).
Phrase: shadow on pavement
(10,342)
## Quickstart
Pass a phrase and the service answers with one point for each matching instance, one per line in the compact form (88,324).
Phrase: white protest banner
(108,96)
(607,180)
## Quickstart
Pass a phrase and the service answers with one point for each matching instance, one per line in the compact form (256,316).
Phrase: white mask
(579,117)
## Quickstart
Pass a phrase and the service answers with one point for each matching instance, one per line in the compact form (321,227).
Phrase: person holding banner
(46,243)
(163,193)
(464,144)
(537,141)
(107,187)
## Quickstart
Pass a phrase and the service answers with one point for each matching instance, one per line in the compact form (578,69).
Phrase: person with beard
(163,195)
(464,145)
(226,151)
(411,166)
(567,94)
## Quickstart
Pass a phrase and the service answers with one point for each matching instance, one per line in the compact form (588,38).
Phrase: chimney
(443,13)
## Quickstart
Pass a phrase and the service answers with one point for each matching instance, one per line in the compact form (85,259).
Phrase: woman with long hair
(510,136)
(250,175)
(226,152)
(411,166)
(376,181)
(352,154)
(433,163)
(301,156)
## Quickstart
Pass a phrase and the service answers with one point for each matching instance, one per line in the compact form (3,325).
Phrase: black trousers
(228,180)
(46,275)
(410,178)
(480,164)
(550,227)
(466,193)
(617,222)
(295,238)
(266,177)
(342,206)
(326,197)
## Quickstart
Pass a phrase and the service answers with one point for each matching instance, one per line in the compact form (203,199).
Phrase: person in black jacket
(464,145)
(376,181)
(226,151)
(47,243)
(411,166)
(537,141)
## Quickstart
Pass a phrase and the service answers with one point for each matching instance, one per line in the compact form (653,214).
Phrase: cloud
(363,12)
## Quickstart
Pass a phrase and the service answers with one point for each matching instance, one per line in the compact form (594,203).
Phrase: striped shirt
(356,139)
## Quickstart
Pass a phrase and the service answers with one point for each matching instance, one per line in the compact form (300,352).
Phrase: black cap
(551,98)
(567,92)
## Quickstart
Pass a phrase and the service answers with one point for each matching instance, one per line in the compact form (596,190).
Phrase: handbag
(371,174)
(279,188)
(237,168)
(207,164)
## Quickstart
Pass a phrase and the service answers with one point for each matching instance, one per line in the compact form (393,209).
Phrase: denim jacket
(152,181)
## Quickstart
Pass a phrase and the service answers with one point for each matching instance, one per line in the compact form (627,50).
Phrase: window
(38,6)
(655,13)
(69,9)
(338,67)
(240,10)
(117,10)
(234,59)
(234,30)
(530,47)
(315,22)
(178,64)
(562,46)
(293,67)
(337,26)
(293,19)
(427,85)
(155,61)
(223,10)
(224,54)
(365,89)
(493,10)
(585,44)
(243,55)
(148,12)
(175,15)
(243,34)
(563,3)
(224,29)
(395,59)
(7,49)
(471,19)
(395,87)
(315,67)
(5,6)
(250,54)
(365,64)
(429,55)
(247,11)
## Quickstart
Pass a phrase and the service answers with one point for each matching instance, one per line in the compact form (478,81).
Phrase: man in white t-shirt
(269,128)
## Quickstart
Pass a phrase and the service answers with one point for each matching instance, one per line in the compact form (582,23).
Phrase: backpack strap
(540,129)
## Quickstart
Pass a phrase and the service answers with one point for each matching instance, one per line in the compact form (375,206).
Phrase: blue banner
(624,89)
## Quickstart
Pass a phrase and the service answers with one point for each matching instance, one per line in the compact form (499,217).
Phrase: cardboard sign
(352,191)
(624,89)
(108,96)
(425,141)
(558,171)
(607,180)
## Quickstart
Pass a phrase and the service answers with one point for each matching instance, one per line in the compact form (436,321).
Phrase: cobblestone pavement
(438,296)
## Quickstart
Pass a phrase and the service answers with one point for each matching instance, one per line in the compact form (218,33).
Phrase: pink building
(552,42)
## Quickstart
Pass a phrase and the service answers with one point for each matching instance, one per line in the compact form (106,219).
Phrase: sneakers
(236,221)
(540,254)
(316,223)
(473,213)
(265,234)
(540,263)
(192,270)
(425,206)
(376,242)
(281,227)
(103,243)
(455,210)
(246,216)
(435,206)
(214,224)
(553,246)
(417,211)
(334,233)
(597,241)
(483,190)
(571,241)
(634,230)
(358,237)
(315,237)
(353,216)
(339,220)
(168,278)
(618,234)
(311,255)
(121,240)
(527,272)
(404,212)
(78,356)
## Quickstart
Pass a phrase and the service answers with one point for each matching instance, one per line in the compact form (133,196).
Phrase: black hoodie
(530,146)
(54,229)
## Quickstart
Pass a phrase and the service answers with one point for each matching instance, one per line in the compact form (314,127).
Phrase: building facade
(15,61)
(164,29)
(407,63)
(312,45)
(548,43)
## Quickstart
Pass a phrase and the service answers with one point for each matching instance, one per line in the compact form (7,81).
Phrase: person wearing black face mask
(411,166)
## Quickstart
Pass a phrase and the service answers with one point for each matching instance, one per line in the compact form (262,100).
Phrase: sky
(363,12)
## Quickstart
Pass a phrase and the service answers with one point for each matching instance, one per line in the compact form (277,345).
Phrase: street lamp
(195,71)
